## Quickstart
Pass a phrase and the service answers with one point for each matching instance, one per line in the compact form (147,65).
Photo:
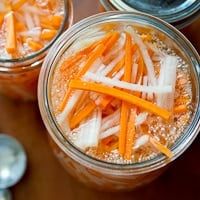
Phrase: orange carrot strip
(1,19)
(48,34)
(94,55)
(116,68)
(130,136)
(125,96)
(35,46)
(180,109)
(82,114)
(18,4)
(10,37)
(111,42)
(161,147)
(73,59)
(125,108)
(56,20)
(105,101)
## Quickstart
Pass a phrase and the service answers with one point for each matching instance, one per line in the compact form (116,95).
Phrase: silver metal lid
(178,12)
(12,161)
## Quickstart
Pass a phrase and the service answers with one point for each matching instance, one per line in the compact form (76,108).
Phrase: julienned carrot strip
(56,20)
(111,42)
(125,96)
(10,37)
(75,58)
(81,102)
(82,114)
(116,68)
(18,4)
(125,108)
(1,18)
(130,136)
(105,101)
(48,34)
(35,46)
(161,147)
(180,109)
(94,55)
(78,56)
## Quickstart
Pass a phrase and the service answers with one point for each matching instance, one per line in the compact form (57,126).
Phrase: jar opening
(27,61)
(66,40)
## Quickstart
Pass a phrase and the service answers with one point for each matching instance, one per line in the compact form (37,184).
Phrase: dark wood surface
(45,179)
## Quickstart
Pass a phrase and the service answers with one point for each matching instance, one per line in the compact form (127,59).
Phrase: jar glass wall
(91,171)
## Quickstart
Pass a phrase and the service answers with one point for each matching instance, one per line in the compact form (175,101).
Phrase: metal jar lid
(179,13)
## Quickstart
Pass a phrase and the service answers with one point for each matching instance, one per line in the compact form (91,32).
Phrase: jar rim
(55,131)
(68,20)
(175,15)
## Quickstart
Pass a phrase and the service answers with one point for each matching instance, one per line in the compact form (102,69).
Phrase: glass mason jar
(93,172)
(179,13)
(19,77)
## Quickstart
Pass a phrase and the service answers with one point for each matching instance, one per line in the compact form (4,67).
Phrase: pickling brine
(27,29)
(122,96)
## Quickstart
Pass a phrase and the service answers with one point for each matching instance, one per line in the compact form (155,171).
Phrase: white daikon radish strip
(126,85)
(95,66)
(147,60)
(119,74)
(141,118)
(33,10)
(101,68)
(36,20)
(110,120)
(89,131)
(141,141)
(145,81)
(134,72)
(167,77)
(34,33)
(111,65)
(109,132)
(69,106)
(170,79)
(29,21)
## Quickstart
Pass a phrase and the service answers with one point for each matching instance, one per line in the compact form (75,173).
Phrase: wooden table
(45,179)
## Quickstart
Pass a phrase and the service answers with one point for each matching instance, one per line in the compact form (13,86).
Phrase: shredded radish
(111,65)
(141,118)
(88,134)
(134,72)
(145,81)
(68,107)
(145,54)
(34,33)
(29,20)
(110,120)
(126,85)
(167,77)
(142,140)
(109,132)
(36,20)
